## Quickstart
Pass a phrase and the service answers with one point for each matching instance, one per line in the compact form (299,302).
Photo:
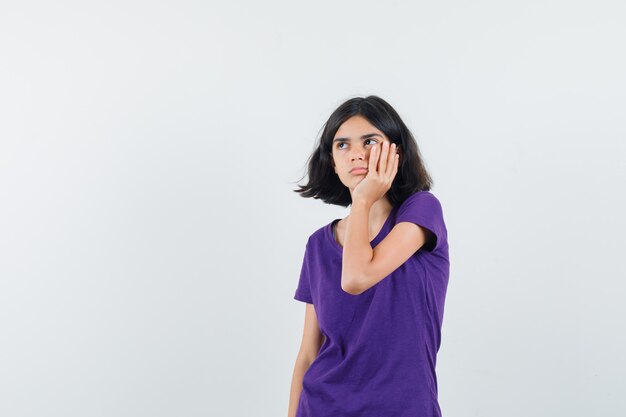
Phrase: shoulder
(424,209)
(420,199)
(317,236)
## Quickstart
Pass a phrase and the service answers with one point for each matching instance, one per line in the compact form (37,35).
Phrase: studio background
(151,243)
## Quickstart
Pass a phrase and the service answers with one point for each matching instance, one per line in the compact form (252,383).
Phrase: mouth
(358,171)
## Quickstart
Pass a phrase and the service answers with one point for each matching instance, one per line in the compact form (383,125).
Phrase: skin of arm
(357,251)
(363,267)
(312,339)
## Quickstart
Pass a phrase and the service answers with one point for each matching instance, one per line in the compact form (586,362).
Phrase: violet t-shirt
(379,355)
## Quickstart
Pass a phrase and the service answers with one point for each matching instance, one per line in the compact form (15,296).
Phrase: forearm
(357,250)
(299,369)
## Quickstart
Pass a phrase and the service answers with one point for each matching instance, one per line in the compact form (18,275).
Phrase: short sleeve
(303,291)
(424,209)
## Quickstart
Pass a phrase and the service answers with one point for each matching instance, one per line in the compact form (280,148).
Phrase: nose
(359,152)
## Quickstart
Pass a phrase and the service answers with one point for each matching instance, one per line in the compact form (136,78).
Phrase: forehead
(355,127)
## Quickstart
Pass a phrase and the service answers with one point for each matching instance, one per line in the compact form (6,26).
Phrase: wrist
(361,203)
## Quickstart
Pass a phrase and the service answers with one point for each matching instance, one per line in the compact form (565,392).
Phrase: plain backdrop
(151,243)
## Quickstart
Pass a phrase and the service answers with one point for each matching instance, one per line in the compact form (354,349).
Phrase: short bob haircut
(325,184)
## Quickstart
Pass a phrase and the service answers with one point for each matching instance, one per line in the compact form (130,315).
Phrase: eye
(366,140)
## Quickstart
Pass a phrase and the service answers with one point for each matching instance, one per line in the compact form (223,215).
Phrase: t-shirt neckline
(374,242)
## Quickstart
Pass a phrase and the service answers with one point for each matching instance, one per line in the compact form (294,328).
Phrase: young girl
(374,282)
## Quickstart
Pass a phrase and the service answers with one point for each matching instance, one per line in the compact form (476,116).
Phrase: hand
(378,181)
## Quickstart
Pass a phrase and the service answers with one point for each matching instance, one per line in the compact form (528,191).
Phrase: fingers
(386,158)
(395,165)
(390,159)
(393,161)
(378,156)
(373,161)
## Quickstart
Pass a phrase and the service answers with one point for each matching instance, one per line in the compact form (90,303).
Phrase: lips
(358,171)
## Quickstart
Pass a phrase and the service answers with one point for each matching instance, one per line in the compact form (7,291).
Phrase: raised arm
(398,246)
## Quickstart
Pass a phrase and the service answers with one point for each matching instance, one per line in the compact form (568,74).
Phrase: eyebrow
(369,135)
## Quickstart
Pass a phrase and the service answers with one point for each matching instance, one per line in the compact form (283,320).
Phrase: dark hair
(412,175)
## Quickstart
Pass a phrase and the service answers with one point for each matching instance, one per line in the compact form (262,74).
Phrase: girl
(374,282)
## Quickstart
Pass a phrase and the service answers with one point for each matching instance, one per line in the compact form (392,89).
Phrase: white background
(151,243)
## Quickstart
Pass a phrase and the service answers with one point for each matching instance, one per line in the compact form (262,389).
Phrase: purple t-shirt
(379,355)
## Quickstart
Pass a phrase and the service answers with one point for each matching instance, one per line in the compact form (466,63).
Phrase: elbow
(352,286)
